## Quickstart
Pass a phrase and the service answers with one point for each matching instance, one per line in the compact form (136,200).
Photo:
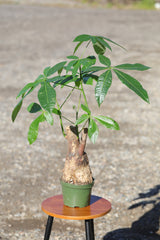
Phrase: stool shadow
(94,199)
(147,226)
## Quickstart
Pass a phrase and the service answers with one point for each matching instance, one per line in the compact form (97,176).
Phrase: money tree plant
(75,73)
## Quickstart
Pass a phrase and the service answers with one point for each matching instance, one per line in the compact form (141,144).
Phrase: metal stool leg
(48,228)
(89,227)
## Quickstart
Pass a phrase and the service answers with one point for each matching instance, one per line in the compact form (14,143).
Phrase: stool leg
(89,227)
(48,228)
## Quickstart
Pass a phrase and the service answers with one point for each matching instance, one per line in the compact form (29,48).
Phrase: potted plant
(75,74)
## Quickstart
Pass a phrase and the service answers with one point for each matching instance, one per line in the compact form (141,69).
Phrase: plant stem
(60,118)
(85,49)
(82,89)
(70,86)
(78,106)
(67,97)
(67,119)
(84,95)
(83,126)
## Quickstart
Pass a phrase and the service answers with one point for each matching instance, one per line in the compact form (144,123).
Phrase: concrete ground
(125,164)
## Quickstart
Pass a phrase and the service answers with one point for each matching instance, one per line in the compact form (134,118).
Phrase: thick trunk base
(76,169)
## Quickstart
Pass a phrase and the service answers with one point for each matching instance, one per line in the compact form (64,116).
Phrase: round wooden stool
(54,207)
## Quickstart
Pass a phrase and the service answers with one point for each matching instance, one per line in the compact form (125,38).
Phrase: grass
(140,4)
(144,4)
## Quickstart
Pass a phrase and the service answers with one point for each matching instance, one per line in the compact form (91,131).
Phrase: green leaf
(107,122)
(104,43)
(94,69)
(104,60)
(82,38)
(98,46)
(99,49)
(88,79)
(87,62)
(70,65)
(47,96)
(65,80)
(31,86)
(82,119)
(100,43)
(72,57)
(56,68)
(103,84)
(48,117)
(34,107)
(77,82)
(60,71)
(16,110)
(109,40)
(39,78)
(55,79)
(136,66)
(34,127)
(24,90)
(133,84)
(77,46)
(75,68)
(86,109)
(92,131)
(56,111)
(46,70)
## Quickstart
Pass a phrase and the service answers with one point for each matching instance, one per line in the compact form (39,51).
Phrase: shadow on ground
(147,226)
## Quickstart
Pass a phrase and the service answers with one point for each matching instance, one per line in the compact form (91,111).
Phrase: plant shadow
(147,226)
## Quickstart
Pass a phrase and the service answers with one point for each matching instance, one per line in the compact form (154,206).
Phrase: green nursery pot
(76,195)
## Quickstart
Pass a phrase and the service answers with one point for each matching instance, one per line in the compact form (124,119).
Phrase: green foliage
(107,122)
(144,4)
(136,66)
(86,109)
(74,74)
(34,107)
(47,97)
(93,130)
(16,110)
(133,84)
(82,119)
(33,129)
(103,84)
(131,4)
(104,60)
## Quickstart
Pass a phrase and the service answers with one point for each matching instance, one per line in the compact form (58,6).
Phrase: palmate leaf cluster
(74,73)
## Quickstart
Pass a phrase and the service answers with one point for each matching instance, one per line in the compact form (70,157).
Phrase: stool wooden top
(54,207)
